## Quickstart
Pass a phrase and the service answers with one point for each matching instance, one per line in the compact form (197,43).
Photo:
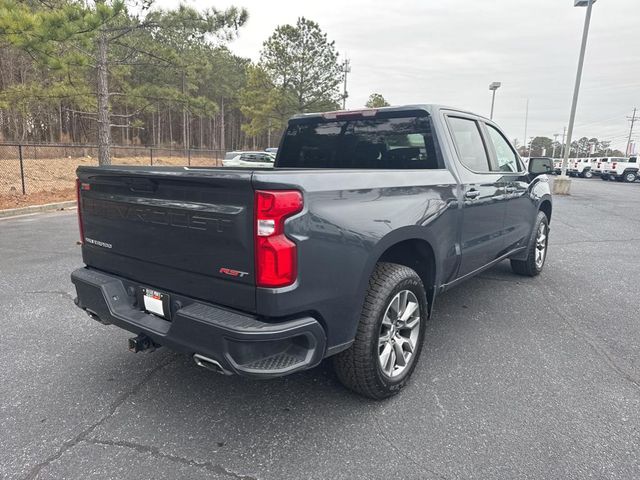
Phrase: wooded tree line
(127,73)
(581,148)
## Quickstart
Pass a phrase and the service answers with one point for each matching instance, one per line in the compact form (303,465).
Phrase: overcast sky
(448,51)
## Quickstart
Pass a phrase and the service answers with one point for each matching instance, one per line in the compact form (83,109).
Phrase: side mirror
(540,166)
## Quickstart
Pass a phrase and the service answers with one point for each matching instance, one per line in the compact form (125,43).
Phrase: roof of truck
(429,108)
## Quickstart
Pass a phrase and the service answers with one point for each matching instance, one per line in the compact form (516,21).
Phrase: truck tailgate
(175,229)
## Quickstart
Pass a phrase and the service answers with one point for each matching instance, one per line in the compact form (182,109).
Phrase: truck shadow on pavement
(249,425)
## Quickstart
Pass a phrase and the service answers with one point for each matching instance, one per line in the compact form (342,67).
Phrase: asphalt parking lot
(519,378)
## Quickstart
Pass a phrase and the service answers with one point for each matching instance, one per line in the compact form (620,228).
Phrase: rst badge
(233,273)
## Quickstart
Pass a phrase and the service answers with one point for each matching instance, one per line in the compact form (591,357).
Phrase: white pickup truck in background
(600,164)
(621,170)
(580,167)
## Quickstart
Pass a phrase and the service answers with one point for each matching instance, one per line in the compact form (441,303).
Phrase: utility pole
(526,120)
(633,120)
(346,70)
(564,134)
(555,142)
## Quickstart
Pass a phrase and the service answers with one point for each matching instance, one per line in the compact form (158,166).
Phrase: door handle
(472,194)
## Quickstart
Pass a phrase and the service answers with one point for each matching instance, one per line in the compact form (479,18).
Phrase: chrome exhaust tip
(209,364)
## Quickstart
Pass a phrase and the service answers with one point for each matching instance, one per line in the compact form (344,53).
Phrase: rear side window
(368,143)
(469,144)
(505,156)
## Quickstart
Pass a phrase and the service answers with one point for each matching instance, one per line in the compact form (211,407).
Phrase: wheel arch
(546,208)
(409,248)
(418,255)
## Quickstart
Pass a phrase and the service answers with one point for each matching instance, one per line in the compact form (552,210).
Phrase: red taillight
(276,255)
(79,186)
(613,166)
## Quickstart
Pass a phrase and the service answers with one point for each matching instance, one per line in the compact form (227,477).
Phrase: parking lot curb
(14,212)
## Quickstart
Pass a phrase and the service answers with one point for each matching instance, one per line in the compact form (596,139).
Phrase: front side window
(469,144)
(505,156)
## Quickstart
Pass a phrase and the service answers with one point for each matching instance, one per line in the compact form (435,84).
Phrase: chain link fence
(45,173)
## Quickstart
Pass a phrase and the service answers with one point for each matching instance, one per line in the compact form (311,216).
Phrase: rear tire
(362,367)
(537,253)
(588,174)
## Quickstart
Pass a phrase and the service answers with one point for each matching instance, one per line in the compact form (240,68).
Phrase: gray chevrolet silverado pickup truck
(339,251)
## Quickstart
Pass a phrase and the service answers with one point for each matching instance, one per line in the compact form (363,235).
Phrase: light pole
(555,143)
(562,184)
(493,86)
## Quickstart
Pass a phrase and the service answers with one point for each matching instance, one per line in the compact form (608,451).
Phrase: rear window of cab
(390,142)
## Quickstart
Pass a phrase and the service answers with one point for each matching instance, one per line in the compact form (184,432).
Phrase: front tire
(390,333)
(630,177)
(537,253)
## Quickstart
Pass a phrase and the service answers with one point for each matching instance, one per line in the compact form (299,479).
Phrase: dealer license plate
(154,301)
